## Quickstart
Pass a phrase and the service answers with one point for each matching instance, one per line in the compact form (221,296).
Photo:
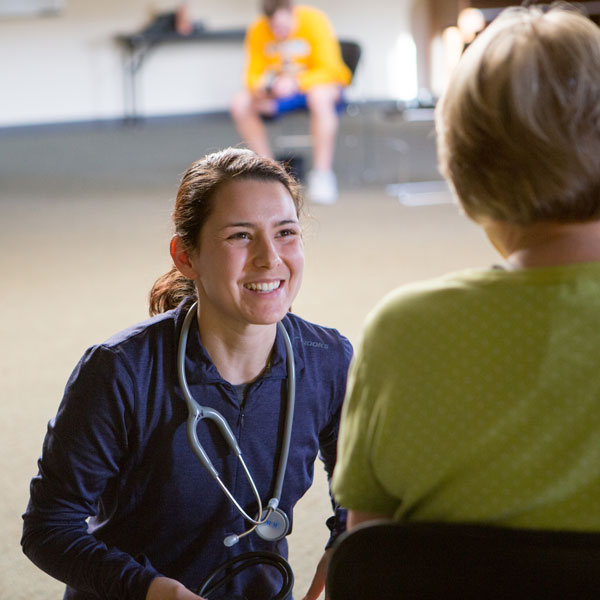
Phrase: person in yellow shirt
(293,61)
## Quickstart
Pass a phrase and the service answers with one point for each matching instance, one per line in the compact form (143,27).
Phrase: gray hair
(518,126)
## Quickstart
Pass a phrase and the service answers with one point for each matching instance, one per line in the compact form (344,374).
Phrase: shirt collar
(200,368)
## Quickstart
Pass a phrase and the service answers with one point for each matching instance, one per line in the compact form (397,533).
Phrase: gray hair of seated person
(518,126)
(194,205)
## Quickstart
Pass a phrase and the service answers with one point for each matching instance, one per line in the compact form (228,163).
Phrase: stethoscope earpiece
(231,540)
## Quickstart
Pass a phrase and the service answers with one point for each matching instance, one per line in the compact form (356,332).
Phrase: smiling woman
(121,507)
(196,200)
(248,262)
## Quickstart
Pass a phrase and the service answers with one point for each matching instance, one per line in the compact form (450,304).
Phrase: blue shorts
(298,102)
(290,103)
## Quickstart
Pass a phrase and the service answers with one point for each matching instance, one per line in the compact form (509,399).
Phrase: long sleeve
(328,450)
(83,453)
(326,64)
(327,453)
(256,63)
(355,483)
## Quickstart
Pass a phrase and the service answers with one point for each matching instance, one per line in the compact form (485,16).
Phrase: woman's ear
(181,258)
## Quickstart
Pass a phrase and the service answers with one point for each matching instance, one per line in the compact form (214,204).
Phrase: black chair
(351,52)
(393,561)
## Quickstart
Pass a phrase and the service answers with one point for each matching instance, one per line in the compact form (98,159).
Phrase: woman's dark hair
(194,205)
(269,7)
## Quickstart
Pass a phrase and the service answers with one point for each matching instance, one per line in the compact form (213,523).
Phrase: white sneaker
(322,187)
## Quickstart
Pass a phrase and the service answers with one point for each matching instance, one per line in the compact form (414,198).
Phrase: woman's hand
(163,588)
(318,583)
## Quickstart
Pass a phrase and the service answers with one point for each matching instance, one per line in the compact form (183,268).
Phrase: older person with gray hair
(474,396)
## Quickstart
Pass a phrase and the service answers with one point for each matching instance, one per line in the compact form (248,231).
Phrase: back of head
(519,123)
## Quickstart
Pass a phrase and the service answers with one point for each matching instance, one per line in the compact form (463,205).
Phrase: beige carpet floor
(76,266)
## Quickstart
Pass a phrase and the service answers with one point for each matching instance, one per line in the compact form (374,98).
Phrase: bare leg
(247,120)
(323,124)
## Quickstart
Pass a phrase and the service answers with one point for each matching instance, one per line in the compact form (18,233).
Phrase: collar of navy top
(200,368)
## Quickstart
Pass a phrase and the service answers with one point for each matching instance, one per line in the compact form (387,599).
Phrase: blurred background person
(293,61)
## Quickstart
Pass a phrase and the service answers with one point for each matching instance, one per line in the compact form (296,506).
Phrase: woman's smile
(263,287)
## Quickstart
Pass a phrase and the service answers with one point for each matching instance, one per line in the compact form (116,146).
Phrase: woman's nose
(266,255)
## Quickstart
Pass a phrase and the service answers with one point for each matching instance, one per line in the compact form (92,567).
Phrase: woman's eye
(287,232)
(240,235)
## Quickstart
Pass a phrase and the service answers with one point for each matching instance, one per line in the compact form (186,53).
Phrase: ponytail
(169,290)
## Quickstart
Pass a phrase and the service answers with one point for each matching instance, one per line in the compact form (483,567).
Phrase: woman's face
(250,255)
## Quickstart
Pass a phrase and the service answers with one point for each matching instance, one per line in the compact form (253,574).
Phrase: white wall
(69,67)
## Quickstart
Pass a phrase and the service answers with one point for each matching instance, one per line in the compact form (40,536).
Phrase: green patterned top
(476,397)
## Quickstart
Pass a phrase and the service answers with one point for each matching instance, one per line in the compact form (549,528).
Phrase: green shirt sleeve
(355,482)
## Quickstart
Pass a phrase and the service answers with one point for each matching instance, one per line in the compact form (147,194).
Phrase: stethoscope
(271,523)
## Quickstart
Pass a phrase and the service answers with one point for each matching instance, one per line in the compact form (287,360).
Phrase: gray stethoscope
(271,523)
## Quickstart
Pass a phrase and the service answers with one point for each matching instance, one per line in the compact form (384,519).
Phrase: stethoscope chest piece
(275,527)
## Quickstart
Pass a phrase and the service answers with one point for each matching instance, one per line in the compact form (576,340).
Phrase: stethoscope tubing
(237,564)
(289,415)
(196,413)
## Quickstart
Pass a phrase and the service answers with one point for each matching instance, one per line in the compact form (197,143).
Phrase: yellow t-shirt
(476,398)
(311,52)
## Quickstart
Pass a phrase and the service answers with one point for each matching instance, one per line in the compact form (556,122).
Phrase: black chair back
(351,52)
(392,561)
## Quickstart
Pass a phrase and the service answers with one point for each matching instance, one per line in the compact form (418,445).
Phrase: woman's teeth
(263,287)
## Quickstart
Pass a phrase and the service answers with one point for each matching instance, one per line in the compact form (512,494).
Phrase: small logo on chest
(316,344)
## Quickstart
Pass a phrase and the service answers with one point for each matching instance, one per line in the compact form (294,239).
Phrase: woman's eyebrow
(239,224)
(248,224)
